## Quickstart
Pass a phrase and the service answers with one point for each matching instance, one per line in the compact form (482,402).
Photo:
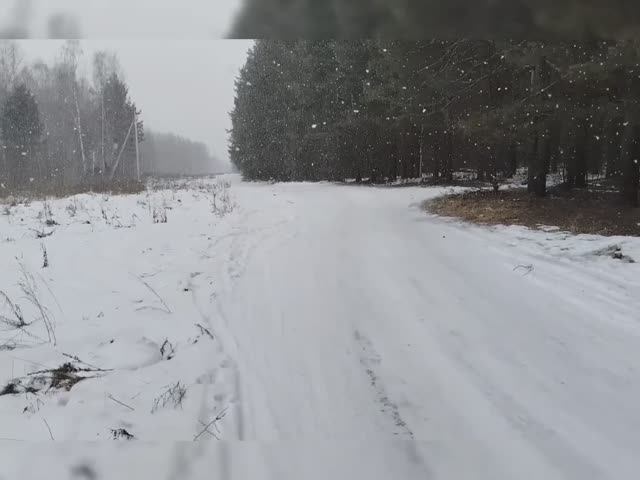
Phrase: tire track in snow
(237,248)
(370,359)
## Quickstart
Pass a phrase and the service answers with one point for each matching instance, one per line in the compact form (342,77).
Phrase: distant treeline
(60,131)
(166,154)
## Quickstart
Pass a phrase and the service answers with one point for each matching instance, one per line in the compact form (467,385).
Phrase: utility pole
(135,126)
(117,162)
(84,160)
(103,165)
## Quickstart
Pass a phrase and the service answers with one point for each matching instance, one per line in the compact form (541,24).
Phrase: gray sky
(182,86)
(129,18)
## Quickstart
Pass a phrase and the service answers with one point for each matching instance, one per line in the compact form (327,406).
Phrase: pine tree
(380,110)
(21,134)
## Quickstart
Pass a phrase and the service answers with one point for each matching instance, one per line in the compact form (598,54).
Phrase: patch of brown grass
(577,211)
(50,190)
(65,377)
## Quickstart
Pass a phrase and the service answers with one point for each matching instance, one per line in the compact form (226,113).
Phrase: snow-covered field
(312,331)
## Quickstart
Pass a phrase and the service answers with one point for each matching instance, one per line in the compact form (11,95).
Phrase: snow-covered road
(355,317)
(354,337)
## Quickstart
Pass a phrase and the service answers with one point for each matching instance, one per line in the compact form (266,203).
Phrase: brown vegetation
(575,211)
(48,190)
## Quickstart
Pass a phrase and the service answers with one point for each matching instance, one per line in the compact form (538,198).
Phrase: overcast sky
(182,86)
(127,18)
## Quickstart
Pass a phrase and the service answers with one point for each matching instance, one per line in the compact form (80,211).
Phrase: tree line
(381,110)
(161,151)
(61,129)
(420,19)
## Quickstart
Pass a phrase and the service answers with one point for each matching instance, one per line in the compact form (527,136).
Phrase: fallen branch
(110,397)
(213,422)
(206,430)
(205,331)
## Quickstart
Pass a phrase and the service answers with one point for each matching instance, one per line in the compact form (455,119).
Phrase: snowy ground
(351,336)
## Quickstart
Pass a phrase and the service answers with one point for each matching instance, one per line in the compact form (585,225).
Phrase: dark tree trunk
(631,161)
(553,167)
(576,165)
(538,158)
(580,178)
(436,164)
(373,177)
(447,157)
(438,158)
(612,149)
(481,174)
(531,162)
(512,160)
(537,169)
(393,167)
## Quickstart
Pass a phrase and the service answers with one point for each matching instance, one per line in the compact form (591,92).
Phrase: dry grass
(64,377)
(578,211)
(49,190)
